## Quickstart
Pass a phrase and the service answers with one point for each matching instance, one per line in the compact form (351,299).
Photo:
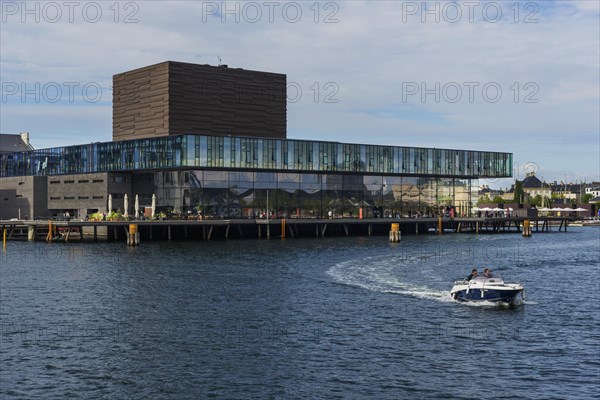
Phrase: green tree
(537,200)
(485,199)
(498,199)
(519,193)
(585,199)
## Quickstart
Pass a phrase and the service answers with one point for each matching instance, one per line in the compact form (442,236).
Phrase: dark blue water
(300,318)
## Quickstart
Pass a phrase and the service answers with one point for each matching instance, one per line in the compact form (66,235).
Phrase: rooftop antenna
(212,55)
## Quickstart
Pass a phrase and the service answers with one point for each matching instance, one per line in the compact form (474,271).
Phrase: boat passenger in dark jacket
(472,275)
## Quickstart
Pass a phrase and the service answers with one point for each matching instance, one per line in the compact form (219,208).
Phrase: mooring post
(526,228)
(395,233)
(48,236)
(133,236)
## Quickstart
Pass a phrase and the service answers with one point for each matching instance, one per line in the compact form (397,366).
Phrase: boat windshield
(495,278)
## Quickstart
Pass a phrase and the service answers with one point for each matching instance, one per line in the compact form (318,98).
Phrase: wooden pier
(209,229)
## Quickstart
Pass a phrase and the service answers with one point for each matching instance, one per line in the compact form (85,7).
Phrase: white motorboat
(482,288)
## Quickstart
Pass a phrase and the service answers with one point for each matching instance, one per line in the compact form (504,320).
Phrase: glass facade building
(233,177)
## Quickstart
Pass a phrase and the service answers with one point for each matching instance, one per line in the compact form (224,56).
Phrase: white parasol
(109,203)
(137,206)
(126,206)
(153,205)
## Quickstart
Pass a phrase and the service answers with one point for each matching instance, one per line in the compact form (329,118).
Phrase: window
(53,182)
(119,179)
(69,182)
(69,198)
(98,180)
(83,181)
(83,197)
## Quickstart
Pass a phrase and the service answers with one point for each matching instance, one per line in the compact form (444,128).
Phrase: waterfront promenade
(208,229)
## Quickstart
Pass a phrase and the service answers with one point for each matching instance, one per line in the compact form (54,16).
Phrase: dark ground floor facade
(238,194)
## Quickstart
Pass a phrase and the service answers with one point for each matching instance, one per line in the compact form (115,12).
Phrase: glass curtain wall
(240,194)
(277,155)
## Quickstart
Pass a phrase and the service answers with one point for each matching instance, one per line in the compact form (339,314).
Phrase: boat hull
(490,295)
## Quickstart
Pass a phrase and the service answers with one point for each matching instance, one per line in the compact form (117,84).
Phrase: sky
(510,76)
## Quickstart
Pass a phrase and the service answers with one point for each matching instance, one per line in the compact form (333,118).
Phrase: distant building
(14,143)
(534,187)
(594,190)
(485,193)
(27,196)
(569,191)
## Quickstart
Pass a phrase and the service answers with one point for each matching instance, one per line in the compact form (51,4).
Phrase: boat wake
(380,274)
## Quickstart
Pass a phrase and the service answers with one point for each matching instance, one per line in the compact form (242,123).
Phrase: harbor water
(328,318)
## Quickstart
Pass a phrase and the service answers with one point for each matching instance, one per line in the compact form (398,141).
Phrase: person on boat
(488,273)
(472,275)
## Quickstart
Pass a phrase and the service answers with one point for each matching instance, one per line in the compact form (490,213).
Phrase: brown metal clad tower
(172,98)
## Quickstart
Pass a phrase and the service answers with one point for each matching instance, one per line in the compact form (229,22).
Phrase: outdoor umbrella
(137,206)
(109,203)
(126,206)
(153,205)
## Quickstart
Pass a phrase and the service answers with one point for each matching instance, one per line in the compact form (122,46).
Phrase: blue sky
(520,77)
